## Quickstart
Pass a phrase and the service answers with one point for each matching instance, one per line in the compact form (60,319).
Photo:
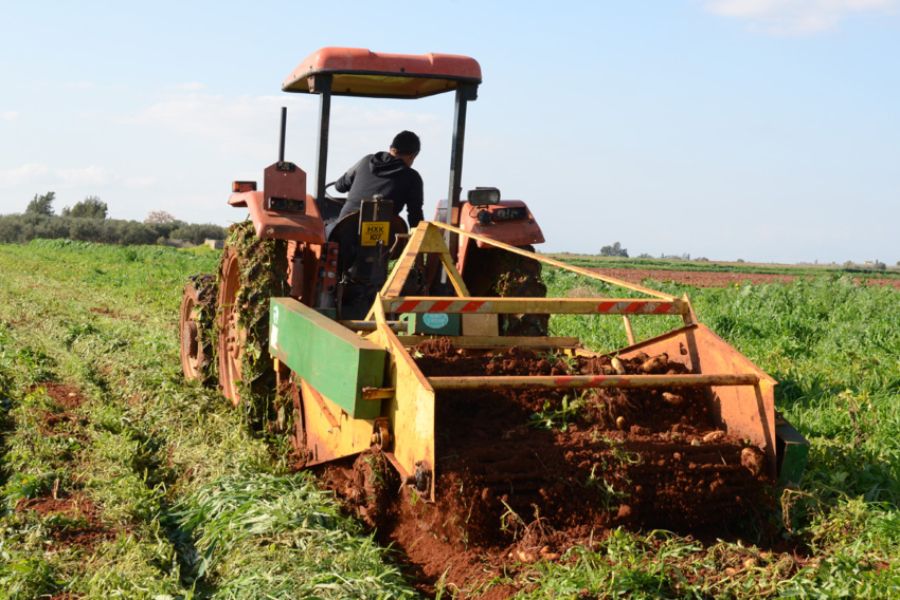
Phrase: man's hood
(384,164)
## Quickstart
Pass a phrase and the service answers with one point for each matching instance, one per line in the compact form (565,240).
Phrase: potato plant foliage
(120,480)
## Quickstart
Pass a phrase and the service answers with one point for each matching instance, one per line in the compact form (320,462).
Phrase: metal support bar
(590,381)
(357,325)
(456,153)
(504,342)
(374,393)
(464,93)
(629,332)
(570,306)
(553,262)
(323,88)
(281,135)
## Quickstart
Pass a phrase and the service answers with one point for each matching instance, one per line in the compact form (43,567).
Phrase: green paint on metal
(793,451)
(330,357)
(432,323)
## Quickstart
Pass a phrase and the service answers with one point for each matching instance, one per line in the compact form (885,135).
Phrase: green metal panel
(330,357)
(793,450)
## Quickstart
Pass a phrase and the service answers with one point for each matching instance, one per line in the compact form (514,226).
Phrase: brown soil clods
(525,474)
(66,396)
(77,521)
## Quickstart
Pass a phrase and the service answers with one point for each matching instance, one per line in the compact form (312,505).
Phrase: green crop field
(704,265)
(121,481)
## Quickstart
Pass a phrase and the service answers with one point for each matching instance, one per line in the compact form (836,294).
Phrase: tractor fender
(283,210)
(521,232)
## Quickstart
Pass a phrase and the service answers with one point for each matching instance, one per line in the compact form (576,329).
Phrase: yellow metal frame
(743,394)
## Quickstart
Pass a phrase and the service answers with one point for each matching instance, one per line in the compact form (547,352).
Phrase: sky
(762,130)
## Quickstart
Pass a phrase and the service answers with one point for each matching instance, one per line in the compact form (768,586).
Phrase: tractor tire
(196,326)
(251,272)
(503,274)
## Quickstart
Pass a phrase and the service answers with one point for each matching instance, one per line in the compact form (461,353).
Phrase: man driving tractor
(389,174)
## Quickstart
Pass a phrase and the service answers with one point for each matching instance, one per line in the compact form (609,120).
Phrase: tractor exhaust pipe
(281,135)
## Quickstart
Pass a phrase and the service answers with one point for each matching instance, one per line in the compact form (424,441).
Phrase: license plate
(374,232)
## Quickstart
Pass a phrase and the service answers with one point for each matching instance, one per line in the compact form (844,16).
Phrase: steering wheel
(335,199)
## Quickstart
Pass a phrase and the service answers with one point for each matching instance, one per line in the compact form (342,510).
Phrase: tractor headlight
(484,196)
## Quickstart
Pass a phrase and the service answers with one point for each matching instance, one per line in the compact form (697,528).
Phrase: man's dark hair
(406,143)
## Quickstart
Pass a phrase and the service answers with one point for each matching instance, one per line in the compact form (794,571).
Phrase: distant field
(120,480)
(657,264)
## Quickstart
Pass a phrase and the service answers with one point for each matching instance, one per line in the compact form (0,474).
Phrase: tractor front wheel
(232,336)
(195,326)
(490,272)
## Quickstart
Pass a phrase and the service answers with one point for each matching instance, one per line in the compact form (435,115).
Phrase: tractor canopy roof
(361,72)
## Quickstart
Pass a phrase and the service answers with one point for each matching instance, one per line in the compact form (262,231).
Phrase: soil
(524,475)
(76,519)
(79,523)
(66,396)
(722,279)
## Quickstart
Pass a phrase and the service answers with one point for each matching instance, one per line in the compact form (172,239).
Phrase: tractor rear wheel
(491,272)
(250,273)
(195,326)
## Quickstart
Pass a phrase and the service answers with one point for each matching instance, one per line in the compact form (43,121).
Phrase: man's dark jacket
(385,174)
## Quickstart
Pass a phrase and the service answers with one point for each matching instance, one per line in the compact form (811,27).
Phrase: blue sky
(766,130)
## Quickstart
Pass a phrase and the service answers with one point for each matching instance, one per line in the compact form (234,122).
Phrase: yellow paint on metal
(410,411)
(330,432)
(499,342)
(374,232)
(485,382)
(553,262)
(425,239)
(534,305)
(480,325)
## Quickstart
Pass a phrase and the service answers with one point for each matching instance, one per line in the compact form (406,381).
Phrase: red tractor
(284,250)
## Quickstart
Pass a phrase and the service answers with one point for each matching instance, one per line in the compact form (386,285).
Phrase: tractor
(308,307)
(286,248)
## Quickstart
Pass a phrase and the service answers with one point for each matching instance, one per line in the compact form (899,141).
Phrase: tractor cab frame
(359,72)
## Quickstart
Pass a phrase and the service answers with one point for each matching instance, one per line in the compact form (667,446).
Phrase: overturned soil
(76,519)
(63,418)
(66,396)
(524,475)
(724,278)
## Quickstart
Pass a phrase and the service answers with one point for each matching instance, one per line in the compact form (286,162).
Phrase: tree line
(88,221)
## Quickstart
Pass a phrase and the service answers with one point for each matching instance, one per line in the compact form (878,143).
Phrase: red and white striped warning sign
(534,305)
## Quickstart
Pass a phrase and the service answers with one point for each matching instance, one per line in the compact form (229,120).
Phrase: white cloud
(213,117)
(797,17)
(70,177)
(91,175)
(247,125)
(139,182)
(191,86)
(22,174)
(9,115)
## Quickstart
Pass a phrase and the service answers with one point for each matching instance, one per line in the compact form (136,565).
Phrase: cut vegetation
(120,480)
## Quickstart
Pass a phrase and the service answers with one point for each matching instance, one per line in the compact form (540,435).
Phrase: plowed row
(526,474)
